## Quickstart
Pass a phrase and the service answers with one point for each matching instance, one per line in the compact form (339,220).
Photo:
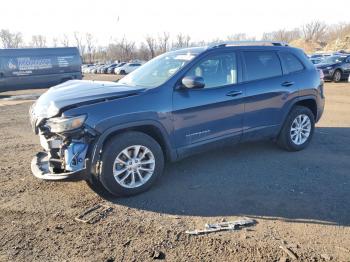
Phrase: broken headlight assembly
(63,124)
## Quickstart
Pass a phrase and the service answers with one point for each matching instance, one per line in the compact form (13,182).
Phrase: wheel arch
(307,101)
(339,69)
(151,128)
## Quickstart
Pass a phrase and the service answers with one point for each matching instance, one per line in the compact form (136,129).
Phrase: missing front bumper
(40,169)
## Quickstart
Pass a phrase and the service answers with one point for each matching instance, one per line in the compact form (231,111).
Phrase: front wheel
(297,130)
(337,76)
(131,163)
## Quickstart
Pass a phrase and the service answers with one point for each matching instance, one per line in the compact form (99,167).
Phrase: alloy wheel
(337,76)
(134,166)
(300,129)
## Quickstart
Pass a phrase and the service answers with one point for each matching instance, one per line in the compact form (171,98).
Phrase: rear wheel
(297,130)
(337,76)
(131,163)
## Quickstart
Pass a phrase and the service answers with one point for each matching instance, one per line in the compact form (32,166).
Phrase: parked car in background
(127,68)
(86,67)
(105,69)
(112,68)
(96,69)
(38,67)
(318,57)
(336,67)
(316,60)
(118,135)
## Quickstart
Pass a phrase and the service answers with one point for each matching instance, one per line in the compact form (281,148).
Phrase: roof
(247,43)
(197,50)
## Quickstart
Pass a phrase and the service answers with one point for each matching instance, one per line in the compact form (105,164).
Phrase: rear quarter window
(261,65)
(290,62)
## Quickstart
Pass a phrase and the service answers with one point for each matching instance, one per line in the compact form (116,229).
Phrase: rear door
(267,91)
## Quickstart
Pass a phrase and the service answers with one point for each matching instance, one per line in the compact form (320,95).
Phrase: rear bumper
(40,169)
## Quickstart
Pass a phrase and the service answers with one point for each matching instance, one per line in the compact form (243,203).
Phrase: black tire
(285,139)
(95,185)
(111,151)
(337,76)
(122,72)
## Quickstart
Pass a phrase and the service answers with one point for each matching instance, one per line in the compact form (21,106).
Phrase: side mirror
(193,82)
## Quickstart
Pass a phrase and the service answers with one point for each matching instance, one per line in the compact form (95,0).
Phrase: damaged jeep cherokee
(119,134)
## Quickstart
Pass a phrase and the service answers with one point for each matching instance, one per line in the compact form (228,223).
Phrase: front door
(215,111)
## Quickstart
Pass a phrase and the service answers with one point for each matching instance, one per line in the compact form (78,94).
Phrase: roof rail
(247,43)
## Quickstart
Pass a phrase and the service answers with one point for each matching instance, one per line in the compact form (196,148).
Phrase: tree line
(312,36)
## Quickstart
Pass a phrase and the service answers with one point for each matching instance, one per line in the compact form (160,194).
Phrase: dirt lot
(300,200)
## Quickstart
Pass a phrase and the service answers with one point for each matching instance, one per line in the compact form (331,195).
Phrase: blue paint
(75,156)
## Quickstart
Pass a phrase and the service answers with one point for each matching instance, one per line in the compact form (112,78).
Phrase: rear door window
(261,65)
(290,62)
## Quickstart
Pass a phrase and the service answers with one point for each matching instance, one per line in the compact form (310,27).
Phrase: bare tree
(65,40)
(152,45)
(143,52)
(38,41)
(240,37)
(121,50)
(282,35)
(79,43)
(182,41)
(10,40)
(54,42)
(164,42)
(314,31)
(128,48)
(89,39)
(338,31)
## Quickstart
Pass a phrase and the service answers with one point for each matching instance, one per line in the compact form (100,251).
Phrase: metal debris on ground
(94,214)
(289,252)
(231,225)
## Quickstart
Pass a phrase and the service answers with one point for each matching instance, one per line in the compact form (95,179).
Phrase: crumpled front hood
(75,92)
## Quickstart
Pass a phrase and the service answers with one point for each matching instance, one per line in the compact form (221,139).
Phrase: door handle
(287,83)
(234,93)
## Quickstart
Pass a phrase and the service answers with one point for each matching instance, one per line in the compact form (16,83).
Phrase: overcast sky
(202,20)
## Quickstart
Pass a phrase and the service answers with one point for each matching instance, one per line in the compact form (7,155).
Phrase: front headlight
(60,124)
(329,67)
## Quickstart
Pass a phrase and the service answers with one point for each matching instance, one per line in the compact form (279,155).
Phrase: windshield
(158,70)
(333,59)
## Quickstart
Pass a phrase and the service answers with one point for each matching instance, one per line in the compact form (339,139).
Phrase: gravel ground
(300,200)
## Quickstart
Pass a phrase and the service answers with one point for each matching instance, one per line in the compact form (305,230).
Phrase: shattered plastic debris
(231,225)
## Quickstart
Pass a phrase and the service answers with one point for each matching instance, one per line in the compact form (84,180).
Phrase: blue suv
(335,67)
(119,135)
